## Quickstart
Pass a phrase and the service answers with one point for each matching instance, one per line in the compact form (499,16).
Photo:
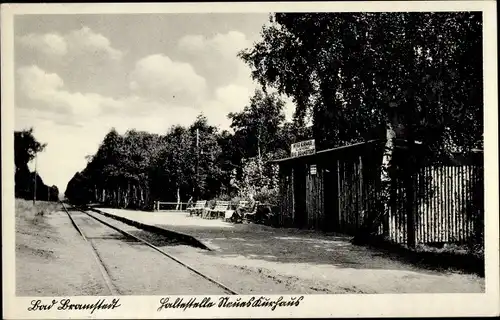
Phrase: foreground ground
(52,259)
(304,261)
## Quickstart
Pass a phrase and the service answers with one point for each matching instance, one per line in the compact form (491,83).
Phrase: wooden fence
(447,202)
(447,198)
(170,206)
(445,209)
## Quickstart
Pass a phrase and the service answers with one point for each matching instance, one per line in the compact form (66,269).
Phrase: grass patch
(452,257)
(35,213)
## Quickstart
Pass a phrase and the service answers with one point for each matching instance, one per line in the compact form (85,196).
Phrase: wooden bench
(198,207)
(220,207)
(229,213)
(250,216)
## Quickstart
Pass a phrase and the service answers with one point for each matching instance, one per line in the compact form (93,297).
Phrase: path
(305,261)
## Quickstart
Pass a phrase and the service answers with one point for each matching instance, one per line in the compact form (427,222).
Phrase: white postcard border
(312,305)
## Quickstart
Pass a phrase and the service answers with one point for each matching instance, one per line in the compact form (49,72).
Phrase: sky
(78,76)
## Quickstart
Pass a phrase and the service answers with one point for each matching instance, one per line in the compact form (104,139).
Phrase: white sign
(313,169)
(303,148)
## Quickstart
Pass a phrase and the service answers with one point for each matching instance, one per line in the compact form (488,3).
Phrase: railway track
(100,257)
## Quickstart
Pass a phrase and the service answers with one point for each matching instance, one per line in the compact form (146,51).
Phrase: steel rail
(100,264)
(227,289)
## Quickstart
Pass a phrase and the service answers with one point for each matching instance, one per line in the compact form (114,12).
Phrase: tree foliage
(200,161)
(26,147)
(362,76)
(348,68)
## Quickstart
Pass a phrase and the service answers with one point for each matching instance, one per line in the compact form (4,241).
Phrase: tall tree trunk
(119,197)
(127,198)
(375,215)
(134,195)
(178,198)
(385,174)
(411,163)
(409,182)
(141,195)
(259,158)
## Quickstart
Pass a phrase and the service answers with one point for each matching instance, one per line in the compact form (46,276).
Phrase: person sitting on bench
(250,206)
(190,203)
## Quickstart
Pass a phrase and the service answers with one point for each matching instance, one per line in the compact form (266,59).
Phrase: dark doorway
(299,187)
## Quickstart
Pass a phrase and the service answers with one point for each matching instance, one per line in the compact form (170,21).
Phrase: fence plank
(428,203)
(462,204)
(441,195)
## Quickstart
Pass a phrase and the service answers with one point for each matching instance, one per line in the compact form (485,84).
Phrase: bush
(268,196)
(475,246)
(235,201)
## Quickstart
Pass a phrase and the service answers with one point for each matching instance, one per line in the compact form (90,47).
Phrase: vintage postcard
(240,160)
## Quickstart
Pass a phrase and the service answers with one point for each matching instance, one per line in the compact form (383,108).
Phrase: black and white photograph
(200,160)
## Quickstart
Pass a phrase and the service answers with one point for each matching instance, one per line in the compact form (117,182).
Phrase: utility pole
(34,182)
(197,161)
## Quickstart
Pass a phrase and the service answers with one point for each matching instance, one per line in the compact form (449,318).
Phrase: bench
(198,207)
(220,207)
(250,216)
(229,213)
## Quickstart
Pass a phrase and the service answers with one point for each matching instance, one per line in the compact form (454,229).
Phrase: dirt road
(52,259)
(303,261)
(135,268)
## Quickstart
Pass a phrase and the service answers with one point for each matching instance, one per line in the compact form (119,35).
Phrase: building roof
(321,152)
(335,150)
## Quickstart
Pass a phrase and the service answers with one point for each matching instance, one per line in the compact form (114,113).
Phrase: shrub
(235,201)
(268,196)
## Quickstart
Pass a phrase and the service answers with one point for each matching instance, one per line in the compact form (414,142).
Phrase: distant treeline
(200,161)
(25,149)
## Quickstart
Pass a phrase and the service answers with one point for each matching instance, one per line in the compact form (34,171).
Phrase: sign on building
(303,148)
(313,169)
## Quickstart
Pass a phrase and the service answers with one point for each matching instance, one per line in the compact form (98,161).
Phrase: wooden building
(333,190)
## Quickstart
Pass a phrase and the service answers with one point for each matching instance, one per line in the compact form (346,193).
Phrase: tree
(175,163)
(257,128)
(261,134)
(79,191)
(378,75)
(119,172)
(259,123)
(209,175)
(53,193)
(25,149)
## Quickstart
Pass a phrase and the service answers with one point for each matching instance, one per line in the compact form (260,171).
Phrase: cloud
(75,43)
(85,41)
(158,76)
(65,153)
(47,89)
(234,98)
(50,44)
(75,142)
(217,56)
(45,92)
(191,43)
(230,98)
(84,130)
(226,45)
